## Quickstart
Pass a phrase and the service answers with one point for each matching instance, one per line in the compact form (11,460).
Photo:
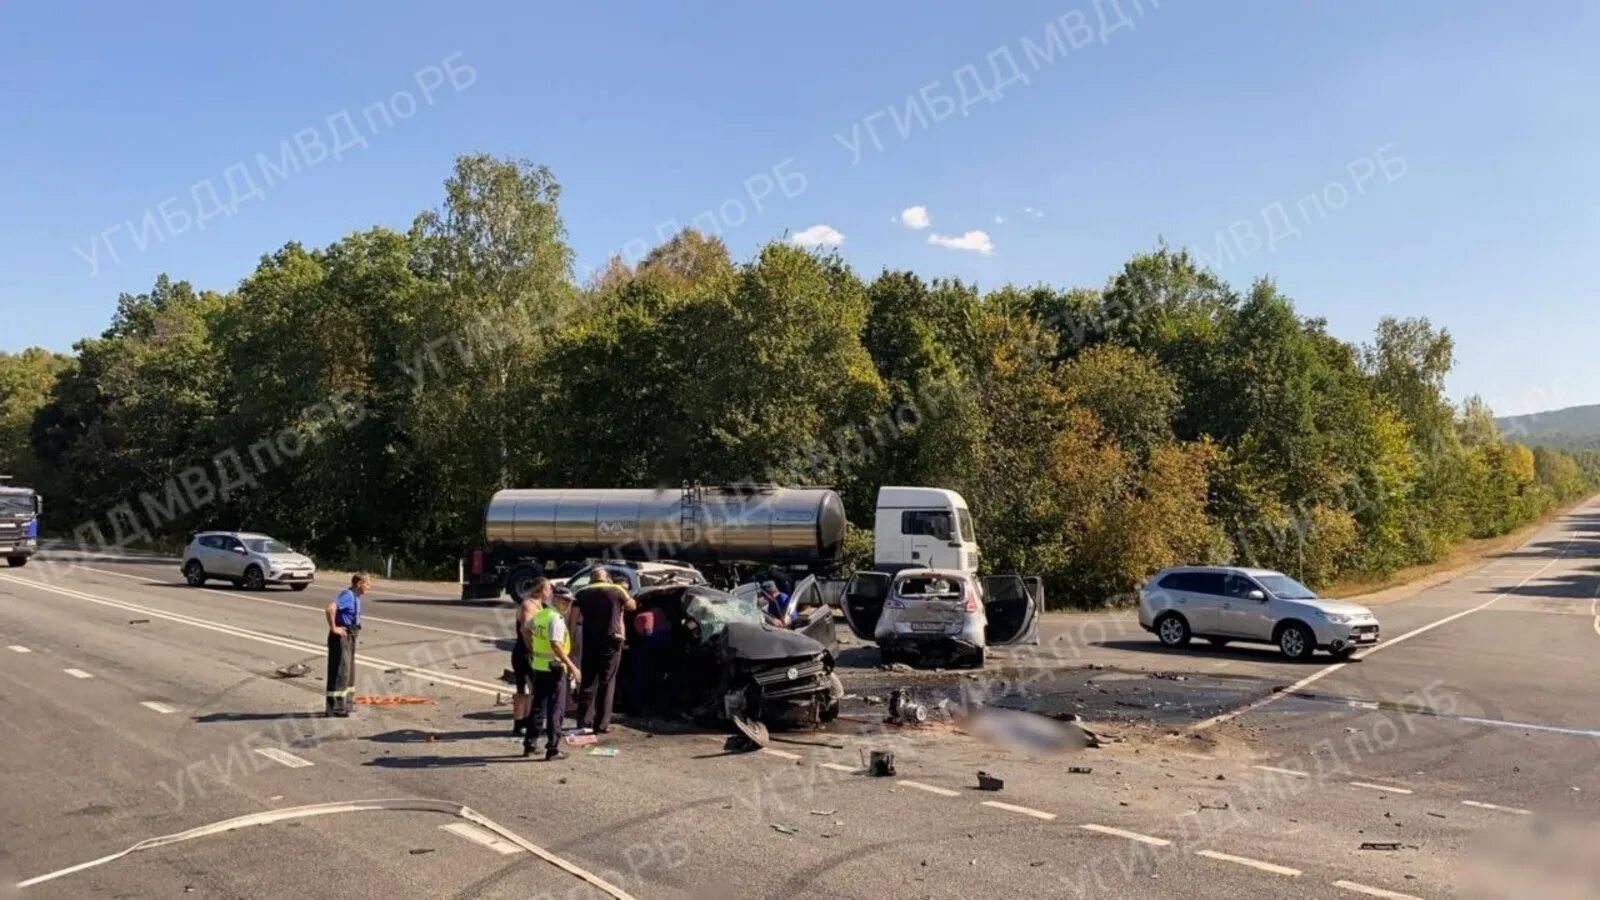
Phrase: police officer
(550,654)
(344,623)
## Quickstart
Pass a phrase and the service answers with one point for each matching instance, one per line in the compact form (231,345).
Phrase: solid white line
(478,836)
(1274,868)
(1329,670)
(1494,806)
(1037,814)
(466,684)
(157,706)
(18,648)
(1130,835)
(1380,787)
(77,673)
(781,754)
(838,768)
(1372,891)
(1295,772)
(943,792)
(284,757)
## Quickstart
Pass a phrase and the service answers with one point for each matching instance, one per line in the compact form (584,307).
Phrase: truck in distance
(20,509)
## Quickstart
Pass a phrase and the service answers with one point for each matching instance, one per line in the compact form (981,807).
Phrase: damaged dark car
(696,651)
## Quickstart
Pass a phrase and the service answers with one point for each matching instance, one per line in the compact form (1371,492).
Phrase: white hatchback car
(1223,604)
(934,616)
(249,560)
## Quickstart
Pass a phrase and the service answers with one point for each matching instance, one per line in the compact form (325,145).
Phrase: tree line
(365,399)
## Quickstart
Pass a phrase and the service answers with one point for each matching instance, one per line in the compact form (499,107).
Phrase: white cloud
(1032,213)
(999,220)
(915,218)
(976,241)
(818,236)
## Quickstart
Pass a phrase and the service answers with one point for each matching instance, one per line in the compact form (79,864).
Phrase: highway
(1462,750)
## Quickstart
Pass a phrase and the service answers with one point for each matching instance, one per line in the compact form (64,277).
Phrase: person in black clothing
(600,607)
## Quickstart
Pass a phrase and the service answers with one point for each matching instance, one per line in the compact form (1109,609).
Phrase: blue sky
(1200,116)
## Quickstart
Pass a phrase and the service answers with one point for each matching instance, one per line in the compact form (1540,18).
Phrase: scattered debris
(506,675)
(905,712)
(752,730)
(581,740)
(987,782)
(823,812)
(895,667)
(294,670)
(1169,676)
(418,851)
(603,751)
(138,621)
(1222,778)
(1079,770)
(1436,815)
(1388,845)
(391,700)
(738,743)
(1221,805)
(785,829)
(872,700)
(879,763)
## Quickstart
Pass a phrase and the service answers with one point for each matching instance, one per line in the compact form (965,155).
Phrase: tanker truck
(716,529)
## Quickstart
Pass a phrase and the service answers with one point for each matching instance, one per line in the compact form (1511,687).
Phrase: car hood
(288,559)
(1337,607)
(763,642)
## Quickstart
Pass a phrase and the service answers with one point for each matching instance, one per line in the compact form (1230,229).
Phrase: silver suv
(249,560)
(1223,603)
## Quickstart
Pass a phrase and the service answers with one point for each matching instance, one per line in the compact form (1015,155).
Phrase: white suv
(249,560)
(1224,604)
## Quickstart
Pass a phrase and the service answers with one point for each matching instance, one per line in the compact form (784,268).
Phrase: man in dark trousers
(600,607)
(550,658)
(344,623)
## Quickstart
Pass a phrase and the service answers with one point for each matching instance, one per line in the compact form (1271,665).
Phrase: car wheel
(1296,641)
(979,658)
(1342,655)
(298,587)
(194,573)
(253,579)
(16,562)
(1173,630)
(885,655)
(1218,643)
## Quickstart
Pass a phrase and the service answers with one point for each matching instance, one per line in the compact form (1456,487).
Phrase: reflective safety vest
(542,651)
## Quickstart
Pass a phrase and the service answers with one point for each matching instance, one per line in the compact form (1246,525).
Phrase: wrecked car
(719,659)
(940,617)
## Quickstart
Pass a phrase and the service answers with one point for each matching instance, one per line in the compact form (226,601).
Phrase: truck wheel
(253,579)
(519,584)
(16,562)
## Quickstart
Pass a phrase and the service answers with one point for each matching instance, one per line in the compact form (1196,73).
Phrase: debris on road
(785,829)
(506,675)
(987,782)
(390,700)
(905,712)
(1388,845)
(872,700)
(294,670)
(603,751)
(1079,770)
(823,812)
(138,621)
(418,851)
(1436,815)
(581,740)
(879,763)
(1221,805)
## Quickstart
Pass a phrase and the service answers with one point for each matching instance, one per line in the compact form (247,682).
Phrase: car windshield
(670,576)
(929,586)
(1285,588)
(16,504)
(714,610)
(266,545)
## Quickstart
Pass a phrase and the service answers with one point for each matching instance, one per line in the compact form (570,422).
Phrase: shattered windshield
(930,587)
(713,610)
(267,545)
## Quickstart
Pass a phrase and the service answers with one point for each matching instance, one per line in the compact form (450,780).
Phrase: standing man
(521,665)
(550,657)
(601,606)
(344,623)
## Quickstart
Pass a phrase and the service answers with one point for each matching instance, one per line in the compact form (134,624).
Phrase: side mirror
(241,551)
(1257,595)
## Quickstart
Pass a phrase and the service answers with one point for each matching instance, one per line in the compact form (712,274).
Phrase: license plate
(928,626)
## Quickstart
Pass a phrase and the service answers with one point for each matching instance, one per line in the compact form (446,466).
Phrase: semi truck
(20,509)
(715,529)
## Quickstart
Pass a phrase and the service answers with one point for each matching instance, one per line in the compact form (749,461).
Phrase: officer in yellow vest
(550,653)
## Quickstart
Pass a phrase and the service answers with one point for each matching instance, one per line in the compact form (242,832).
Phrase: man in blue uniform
(344,623)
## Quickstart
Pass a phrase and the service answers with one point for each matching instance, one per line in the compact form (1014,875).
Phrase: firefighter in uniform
(344,623)
(550,654)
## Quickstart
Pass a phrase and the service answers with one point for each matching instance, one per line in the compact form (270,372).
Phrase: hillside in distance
(1576,427)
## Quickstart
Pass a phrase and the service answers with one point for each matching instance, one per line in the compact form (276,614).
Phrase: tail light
(476,565)
(972,603)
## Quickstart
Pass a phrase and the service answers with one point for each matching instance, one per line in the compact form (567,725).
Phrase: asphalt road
(1464,747)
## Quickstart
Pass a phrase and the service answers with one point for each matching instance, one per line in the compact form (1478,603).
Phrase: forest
(364,399)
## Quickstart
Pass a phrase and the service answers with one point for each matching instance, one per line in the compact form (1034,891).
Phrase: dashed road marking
(781,754)
(1295,772)
(1274,868)
(478,836)
(18,648)
(77,673)
(1498,808)
(1130,835)
(1371,891)
(158,706)
(1380,787)
(851,770)
(1009,807)
(943,792)
(284,757)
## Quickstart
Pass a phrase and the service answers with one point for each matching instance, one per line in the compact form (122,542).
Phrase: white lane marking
(478,836)
(1498,808)
(1554,729)
(943,792)
(1371,891)
(484,635)
(1130,835)
(77,673)
(781,754)
(465,684)
(1594,608)
(1329,670)
(1009,807)
(1295,772)
(1380,787)
(18,648)
(284,757)
(1274,868)
(158,706)
(839,768)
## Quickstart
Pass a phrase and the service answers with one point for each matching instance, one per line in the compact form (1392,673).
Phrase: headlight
(1338,619)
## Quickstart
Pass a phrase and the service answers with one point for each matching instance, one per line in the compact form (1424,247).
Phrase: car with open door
(812,615)
(941,617)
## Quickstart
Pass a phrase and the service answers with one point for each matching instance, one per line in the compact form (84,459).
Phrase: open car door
(1011,604)
(864,597)
(813,616)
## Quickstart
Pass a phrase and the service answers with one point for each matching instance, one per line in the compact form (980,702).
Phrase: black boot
(519,727)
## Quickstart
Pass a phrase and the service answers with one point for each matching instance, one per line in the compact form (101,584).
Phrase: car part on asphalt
(879,763)
(987,782)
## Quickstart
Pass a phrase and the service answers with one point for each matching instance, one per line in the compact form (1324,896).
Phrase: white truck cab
(923,528)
